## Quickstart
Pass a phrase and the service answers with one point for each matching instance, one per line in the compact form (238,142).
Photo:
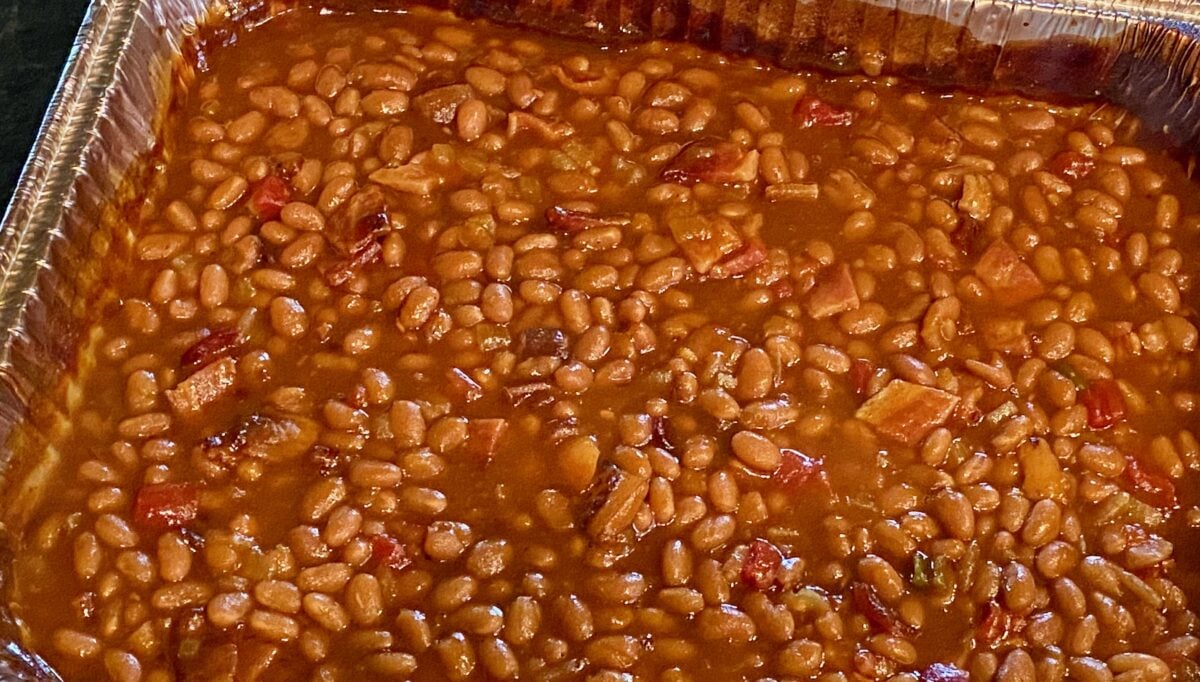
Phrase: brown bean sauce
(456,352)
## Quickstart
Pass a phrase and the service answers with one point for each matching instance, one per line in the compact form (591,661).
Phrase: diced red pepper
(861,371)
(388,551)
(943,672)
(880,615)
(268,196)
(738,263)
(462,386)
(761,565)
(1152,488)
(997,624)
(798,471)
(570,222)
(484,436)
(1104,402)
(1071,165)
(166,505)
(220,343)
(814,111)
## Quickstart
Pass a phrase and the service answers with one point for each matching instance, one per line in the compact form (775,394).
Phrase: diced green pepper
(1069,372)
(922,575)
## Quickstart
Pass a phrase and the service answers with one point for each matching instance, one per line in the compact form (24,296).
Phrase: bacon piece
(612,502)
(997,624)
(602,84)
(388,551)
(968,236)
(742,261)
(339,273)
(203,388)
(943,672)
(165,505)
(711,160)
(812,112)
(543,342)
(462,386)
(260,437)
(833,293)
(411,178)
(660,433)
(484,436)
(861,372)
(1070,165)
(1149,487)
(535,393)
(907,411)
(704,240)
(798,471)
(268,196)
(571,222)
(1104,402)
(1010,279)
(327,459)
(441,104)
(550,131)
(880,615)
(760,568)
(220,343)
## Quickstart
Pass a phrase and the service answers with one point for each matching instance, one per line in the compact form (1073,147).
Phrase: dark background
(35,38)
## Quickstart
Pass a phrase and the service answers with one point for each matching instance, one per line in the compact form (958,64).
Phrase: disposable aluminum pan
(63,219)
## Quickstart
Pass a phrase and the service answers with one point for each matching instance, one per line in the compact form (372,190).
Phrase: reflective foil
(66,214)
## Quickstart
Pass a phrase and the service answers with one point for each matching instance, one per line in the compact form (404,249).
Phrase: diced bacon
(997,624)
(534,393)
(907,411)
(388,551)
(441,104)
(268,196)
(260,436)
(969,236)
(550,131)
(704,240)
(861,372)
(612,501)
(812,112)
(203,388)
(589,84)
(833,293)
(782,289)
(165,505)
(570,222)
(714,161)
(1104,402)
(484,436)
(1071,165)
(1010,279)
(799,472)
(360,221)
(341,272)
(327,459)
(660,433)
(1152,488)
(761,565)
(219,343)
(462,387)
(543,342)
(752,254)
(943,672)
(878,614)
(411,178)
